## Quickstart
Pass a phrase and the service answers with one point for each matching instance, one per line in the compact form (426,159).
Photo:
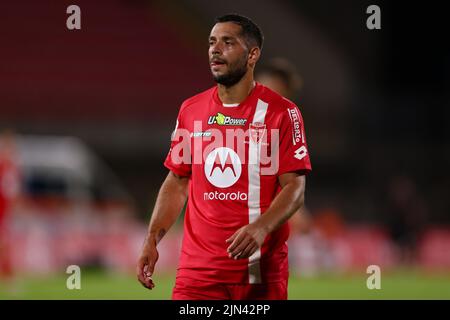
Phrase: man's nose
(215,49)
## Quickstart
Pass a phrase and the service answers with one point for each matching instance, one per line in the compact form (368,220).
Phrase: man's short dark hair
(250,31)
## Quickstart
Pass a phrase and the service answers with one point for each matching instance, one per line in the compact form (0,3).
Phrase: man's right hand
(146,264)
(169,204)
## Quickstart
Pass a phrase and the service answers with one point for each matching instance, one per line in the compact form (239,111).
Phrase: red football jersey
(233,155)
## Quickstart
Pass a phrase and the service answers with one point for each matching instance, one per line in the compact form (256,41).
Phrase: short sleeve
(178,159)
(294,154)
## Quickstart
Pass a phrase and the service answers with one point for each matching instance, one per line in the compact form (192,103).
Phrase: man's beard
(232,77)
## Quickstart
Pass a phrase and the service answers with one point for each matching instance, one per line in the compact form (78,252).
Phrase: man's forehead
(226,29)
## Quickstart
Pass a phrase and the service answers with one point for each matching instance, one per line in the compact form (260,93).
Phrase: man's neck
(238,92)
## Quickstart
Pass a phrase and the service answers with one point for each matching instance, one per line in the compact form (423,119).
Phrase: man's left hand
(245,241)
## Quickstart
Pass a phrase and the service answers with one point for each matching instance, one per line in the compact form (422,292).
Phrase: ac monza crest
(257,131)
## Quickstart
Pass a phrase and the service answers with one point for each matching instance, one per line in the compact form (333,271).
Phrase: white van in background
(72,209)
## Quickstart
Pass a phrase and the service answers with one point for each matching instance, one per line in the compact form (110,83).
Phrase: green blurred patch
(401,284)
(94,285)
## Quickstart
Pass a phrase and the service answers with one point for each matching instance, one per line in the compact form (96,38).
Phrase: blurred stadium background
(86,118)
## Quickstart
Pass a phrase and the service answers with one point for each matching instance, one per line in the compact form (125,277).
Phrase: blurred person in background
(9,189)
(232,248)
(280,75)
(311,252)
(407,216)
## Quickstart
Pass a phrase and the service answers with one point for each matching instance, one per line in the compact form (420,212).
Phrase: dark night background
(375,102)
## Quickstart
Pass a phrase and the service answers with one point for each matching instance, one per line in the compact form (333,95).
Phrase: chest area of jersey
(227,124)
(228,143)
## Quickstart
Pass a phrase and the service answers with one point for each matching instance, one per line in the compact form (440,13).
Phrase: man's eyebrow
(223,38)
(228,38)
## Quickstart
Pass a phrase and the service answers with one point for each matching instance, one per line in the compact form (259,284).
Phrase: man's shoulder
(277,103)
(201,97)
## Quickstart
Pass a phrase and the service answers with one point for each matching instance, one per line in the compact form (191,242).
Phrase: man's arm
(246,240)
(169,203)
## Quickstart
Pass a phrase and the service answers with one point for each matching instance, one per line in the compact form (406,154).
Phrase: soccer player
(239,157)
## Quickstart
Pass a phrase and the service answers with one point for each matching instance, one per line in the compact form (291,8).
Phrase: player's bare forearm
(286,203)
(169,203)
(246,240)
(171,199)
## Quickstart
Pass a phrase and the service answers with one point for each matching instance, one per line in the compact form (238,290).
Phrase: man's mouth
(217,62)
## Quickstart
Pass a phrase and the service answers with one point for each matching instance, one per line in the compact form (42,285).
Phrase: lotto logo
(300,153)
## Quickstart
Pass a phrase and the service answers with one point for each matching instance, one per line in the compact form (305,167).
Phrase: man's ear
(253,56)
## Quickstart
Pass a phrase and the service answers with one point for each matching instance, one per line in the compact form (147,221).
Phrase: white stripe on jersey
(254,188)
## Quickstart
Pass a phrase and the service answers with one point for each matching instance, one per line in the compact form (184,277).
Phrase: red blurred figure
(330,223)
(9,187)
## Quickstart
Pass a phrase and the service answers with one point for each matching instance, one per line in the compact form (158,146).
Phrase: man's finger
(145,279)
(147,270)
(230,239)
(149,283)
(236,242)
(144,271)
(245,241)
(150,267)
(248,251)
(140,271)
(244,252)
